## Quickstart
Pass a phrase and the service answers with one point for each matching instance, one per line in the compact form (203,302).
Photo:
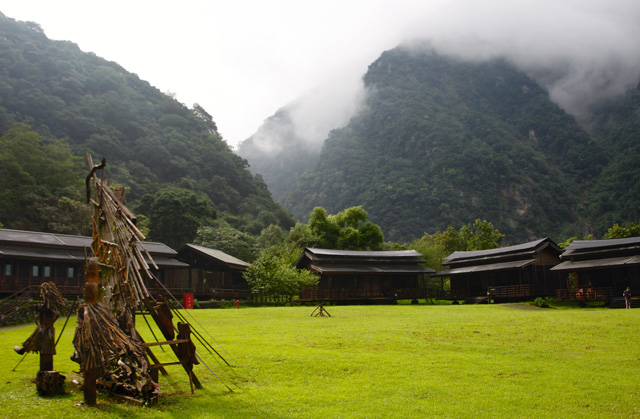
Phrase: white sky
(243,59)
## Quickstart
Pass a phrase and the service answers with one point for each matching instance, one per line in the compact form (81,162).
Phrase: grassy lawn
(401,361)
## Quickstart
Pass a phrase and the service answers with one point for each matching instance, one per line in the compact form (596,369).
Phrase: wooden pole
(91,297)
(47,318)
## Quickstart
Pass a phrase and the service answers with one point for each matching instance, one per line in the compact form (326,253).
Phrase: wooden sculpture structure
(42,340)
(107,346)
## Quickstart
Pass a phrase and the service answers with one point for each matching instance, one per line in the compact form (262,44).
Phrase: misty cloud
(308,120)
(582,52)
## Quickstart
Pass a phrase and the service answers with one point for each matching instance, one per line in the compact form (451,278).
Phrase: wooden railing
(510,291)
(502,292)
(585,294)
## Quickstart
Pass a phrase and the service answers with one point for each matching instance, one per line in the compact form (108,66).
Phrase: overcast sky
(243,59)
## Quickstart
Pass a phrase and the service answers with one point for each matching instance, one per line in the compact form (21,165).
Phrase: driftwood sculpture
(42,340)
(111,353)
(105,352)
(107,346)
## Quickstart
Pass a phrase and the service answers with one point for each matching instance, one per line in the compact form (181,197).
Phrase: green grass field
(404,361)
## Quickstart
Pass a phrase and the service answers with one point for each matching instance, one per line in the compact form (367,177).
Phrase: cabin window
(8,269)
(214,279)
(35,271)
(71,272)
(47,272)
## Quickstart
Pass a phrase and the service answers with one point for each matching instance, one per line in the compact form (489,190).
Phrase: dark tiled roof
(501,266)
(215,254)
(315,254)
(578,265)
(353,261)
(582,245)
(523,249)
(33,239)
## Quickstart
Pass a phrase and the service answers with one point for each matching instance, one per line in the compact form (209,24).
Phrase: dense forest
(171,158)
(443,141)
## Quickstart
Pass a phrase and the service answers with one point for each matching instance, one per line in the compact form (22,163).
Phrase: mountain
(151,141)
(278,153)
(616,195)
(442,141)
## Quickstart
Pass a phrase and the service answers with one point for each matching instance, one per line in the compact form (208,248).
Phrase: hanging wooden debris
(42,340)
(109,356)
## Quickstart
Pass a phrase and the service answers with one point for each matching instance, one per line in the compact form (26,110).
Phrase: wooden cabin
(213,274)
(364,276)
(515,272)
(599,270)
(29,258)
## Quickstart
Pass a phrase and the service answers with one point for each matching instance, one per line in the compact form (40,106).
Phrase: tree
(225,238)
(481,235)
(301,235)
(271,236)
(41,184)
(477,236)
(175,215)
(617,231)
(346,230)
(273,273)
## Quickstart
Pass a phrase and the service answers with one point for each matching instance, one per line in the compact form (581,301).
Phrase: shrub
(541,302)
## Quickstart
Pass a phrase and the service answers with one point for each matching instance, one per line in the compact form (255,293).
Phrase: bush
(541,302)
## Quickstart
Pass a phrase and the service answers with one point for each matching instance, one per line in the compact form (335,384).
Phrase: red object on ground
(187,301)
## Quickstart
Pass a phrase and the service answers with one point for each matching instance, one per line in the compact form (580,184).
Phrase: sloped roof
(578,265)
(357,255)
(372,262)
(42,239)
(503,266)
(218,255)
(483,256)
(377,269)
(64,247)
(582,248)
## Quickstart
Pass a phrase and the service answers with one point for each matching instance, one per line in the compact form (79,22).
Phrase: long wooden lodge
(600,270)
(364,276)
(508,273)
(27,259)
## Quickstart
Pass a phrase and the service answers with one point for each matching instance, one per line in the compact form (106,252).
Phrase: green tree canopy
(478,235)
(346,230)
(175,214)
(225,238)
(41,184)
(617,231)
(273,273)
(271,236)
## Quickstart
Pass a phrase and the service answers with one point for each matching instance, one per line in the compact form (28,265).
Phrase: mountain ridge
(465,108)
(150,140)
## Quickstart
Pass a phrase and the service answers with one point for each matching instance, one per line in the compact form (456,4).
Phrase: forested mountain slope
(443,141)
(151,141)
(616,196)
